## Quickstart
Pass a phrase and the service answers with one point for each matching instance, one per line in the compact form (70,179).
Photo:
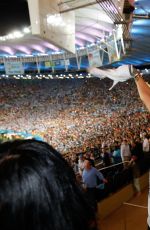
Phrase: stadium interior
(48,94)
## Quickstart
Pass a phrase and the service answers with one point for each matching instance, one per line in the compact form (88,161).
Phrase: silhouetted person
(38,190)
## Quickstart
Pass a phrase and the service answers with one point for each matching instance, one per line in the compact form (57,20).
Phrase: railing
(112,166)
(119,175)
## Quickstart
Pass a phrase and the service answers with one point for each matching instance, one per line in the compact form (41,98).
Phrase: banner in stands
(14,68)
(94,58)
(57,63)
(65,62)
(62,62)
(112,50)
(24,135)
(49,64)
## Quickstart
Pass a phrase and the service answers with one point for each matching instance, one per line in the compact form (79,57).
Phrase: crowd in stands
(73,115)
(80,118)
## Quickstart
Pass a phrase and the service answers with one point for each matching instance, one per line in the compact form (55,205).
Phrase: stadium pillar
(78,60)
(38,66)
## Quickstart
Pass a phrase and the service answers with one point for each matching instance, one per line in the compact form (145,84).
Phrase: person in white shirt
(81,164)
(125,152)
(146,144)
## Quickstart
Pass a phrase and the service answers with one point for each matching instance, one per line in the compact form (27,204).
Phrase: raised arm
(143,89)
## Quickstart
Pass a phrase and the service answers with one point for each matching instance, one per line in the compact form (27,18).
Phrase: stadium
(65,79)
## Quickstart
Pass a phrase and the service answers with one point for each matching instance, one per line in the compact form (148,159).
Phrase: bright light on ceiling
(17,34)
(26,30)
(55,20)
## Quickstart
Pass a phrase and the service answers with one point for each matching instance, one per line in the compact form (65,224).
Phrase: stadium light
(2,38)
(10,36)
(17,34)
(26,30)
(55,20)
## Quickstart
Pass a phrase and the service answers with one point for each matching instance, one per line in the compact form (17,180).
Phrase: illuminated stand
(44,27)
(112,46)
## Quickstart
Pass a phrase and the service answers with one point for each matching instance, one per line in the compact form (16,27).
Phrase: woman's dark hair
(38,189)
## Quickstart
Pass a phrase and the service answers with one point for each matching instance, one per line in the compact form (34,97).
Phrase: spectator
(145,144)
(136,157)
(105,157)
(81,164)
(125,152)
(117,155)
(90,177)
(38,190)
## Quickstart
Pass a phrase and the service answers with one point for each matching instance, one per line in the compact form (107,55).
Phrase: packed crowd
(73,115)
(113,127)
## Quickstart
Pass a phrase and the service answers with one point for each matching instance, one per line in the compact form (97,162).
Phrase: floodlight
(26,30)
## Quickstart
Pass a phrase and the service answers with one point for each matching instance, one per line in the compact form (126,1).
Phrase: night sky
(14,15)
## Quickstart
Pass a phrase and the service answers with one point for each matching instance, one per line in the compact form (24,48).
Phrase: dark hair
(90,161)
(38,189)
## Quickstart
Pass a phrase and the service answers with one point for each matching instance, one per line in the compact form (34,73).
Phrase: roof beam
(141,16)
(78,7)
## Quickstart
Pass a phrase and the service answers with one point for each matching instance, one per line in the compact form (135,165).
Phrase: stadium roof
(92,25)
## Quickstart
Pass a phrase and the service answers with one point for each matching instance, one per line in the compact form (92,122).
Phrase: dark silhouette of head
(38,189)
